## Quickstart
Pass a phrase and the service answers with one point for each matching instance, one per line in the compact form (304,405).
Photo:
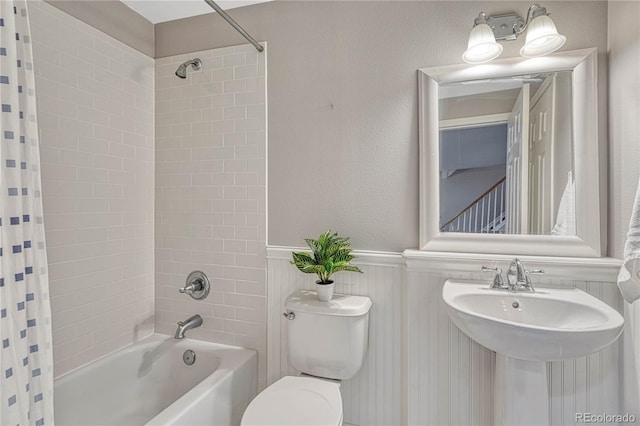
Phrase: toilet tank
(327,339)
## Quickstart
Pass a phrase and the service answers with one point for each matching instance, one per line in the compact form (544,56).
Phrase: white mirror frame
(590,238)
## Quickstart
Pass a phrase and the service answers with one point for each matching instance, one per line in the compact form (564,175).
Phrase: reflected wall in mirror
(506,155)
(509,157)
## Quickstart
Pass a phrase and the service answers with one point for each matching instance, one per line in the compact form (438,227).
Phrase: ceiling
(157,11)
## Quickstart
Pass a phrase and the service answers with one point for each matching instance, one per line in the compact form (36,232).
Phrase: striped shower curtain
(26,362)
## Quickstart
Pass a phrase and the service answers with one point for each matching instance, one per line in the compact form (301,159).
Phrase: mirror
(506,154)
(509,157)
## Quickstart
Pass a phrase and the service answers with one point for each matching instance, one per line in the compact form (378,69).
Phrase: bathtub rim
(141,340)
(228,365)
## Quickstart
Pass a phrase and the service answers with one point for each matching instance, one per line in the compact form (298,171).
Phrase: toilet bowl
(327,343)
(296,401)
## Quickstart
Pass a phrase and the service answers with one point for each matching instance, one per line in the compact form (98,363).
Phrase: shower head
(195,63)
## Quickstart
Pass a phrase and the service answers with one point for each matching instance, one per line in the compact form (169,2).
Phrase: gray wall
(343,115)
(624,160)
(624,110)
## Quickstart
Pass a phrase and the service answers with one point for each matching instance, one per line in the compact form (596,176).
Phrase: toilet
(327,342)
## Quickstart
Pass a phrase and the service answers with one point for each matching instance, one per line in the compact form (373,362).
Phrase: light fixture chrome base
(506,27)
(197,285)
(509,25)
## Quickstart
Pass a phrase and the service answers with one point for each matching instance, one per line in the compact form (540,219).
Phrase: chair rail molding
(603,269)
(363,257)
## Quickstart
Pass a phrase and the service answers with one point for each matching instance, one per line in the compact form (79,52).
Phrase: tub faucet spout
(193,322)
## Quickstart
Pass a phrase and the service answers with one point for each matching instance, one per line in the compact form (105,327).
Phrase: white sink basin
(548,325)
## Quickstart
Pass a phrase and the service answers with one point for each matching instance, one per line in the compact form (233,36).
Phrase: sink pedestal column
(521,393)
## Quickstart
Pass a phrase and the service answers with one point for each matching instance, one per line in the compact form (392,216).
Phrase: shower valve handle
(197,285)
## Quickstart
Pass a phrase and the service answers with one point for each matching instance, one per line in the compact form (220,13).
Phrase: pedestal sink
(526,330)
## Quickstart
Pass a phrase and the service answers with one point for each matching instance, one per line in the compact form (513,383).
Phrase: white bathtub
(148,383)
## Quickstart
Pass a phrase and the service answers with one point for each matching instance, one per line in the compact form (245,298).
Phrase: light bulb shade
(482,45)
(542,38)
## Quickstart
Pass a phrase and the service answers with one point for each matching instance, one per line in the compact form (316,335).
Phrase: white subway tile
(213,113)
(86,261)
(208,208)
(234,59)
(223,100)
(225,232)
(223,74)
(247,98)
(250,315)
(235,112)
(248,178)
(246,71)
(235,192)
(251,287)
(235,166)
(235,138)
(235,86)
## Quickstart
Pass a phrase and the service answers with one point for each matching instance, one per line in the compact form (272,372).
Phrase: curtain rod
(234,24)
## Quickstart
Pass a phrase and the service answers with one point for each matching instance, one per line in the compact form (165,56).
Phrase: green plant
(331,254)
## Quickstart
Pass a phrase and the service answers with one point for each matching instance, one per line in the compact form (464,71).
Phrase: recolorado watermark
(605,418)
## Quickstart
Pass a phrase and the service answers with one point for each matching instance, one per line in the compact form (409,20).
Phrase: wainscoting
(450,379)
(374,396)
(417,355)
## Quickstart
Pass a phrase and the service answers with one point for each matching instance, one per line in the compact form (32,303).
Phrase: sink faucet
(518,277)
(193,322)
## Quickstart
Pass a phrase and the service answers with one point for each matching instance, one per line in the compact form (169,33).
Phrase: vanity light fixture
(541,39)
(482,46)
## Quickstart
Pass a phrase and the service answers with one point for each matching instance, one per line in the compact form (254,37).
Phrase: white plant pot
(325,291)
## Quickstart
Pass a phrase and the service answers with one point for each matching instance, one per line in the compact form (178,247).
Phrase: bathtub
(148,383)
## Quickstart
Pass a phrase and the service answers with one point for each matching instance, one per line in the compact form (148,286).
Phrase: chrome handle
(289,315)
(535,272)
(197,285)
(189,289)
(497,282)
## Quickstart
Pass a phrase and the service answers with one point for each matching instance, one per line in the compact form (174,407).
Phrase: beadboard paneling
(450,380)
(421,369)
(631,360)
(374,395)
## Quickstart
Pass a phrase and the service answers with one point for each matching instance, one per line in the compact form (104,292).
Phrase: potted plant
(330,254)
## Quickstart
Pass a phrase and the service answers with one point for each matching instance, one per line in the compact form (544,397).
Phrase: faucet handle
(528,285)
(497,282)
(496,270)
(197,285)
(188,289)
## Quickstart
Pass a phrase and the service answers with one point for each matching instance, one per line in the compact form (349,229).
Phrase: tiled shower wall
(210,195)
(95,112)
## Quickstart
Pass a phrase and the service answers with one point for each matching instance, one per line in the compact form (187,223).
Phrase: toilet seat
(296,401)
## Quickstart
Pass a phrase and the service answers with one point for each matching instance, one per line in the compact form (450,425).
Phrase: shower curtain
(26,361)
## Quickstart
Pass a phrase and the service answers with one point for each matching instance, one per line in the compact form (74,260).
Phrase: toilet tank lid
(340,305)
